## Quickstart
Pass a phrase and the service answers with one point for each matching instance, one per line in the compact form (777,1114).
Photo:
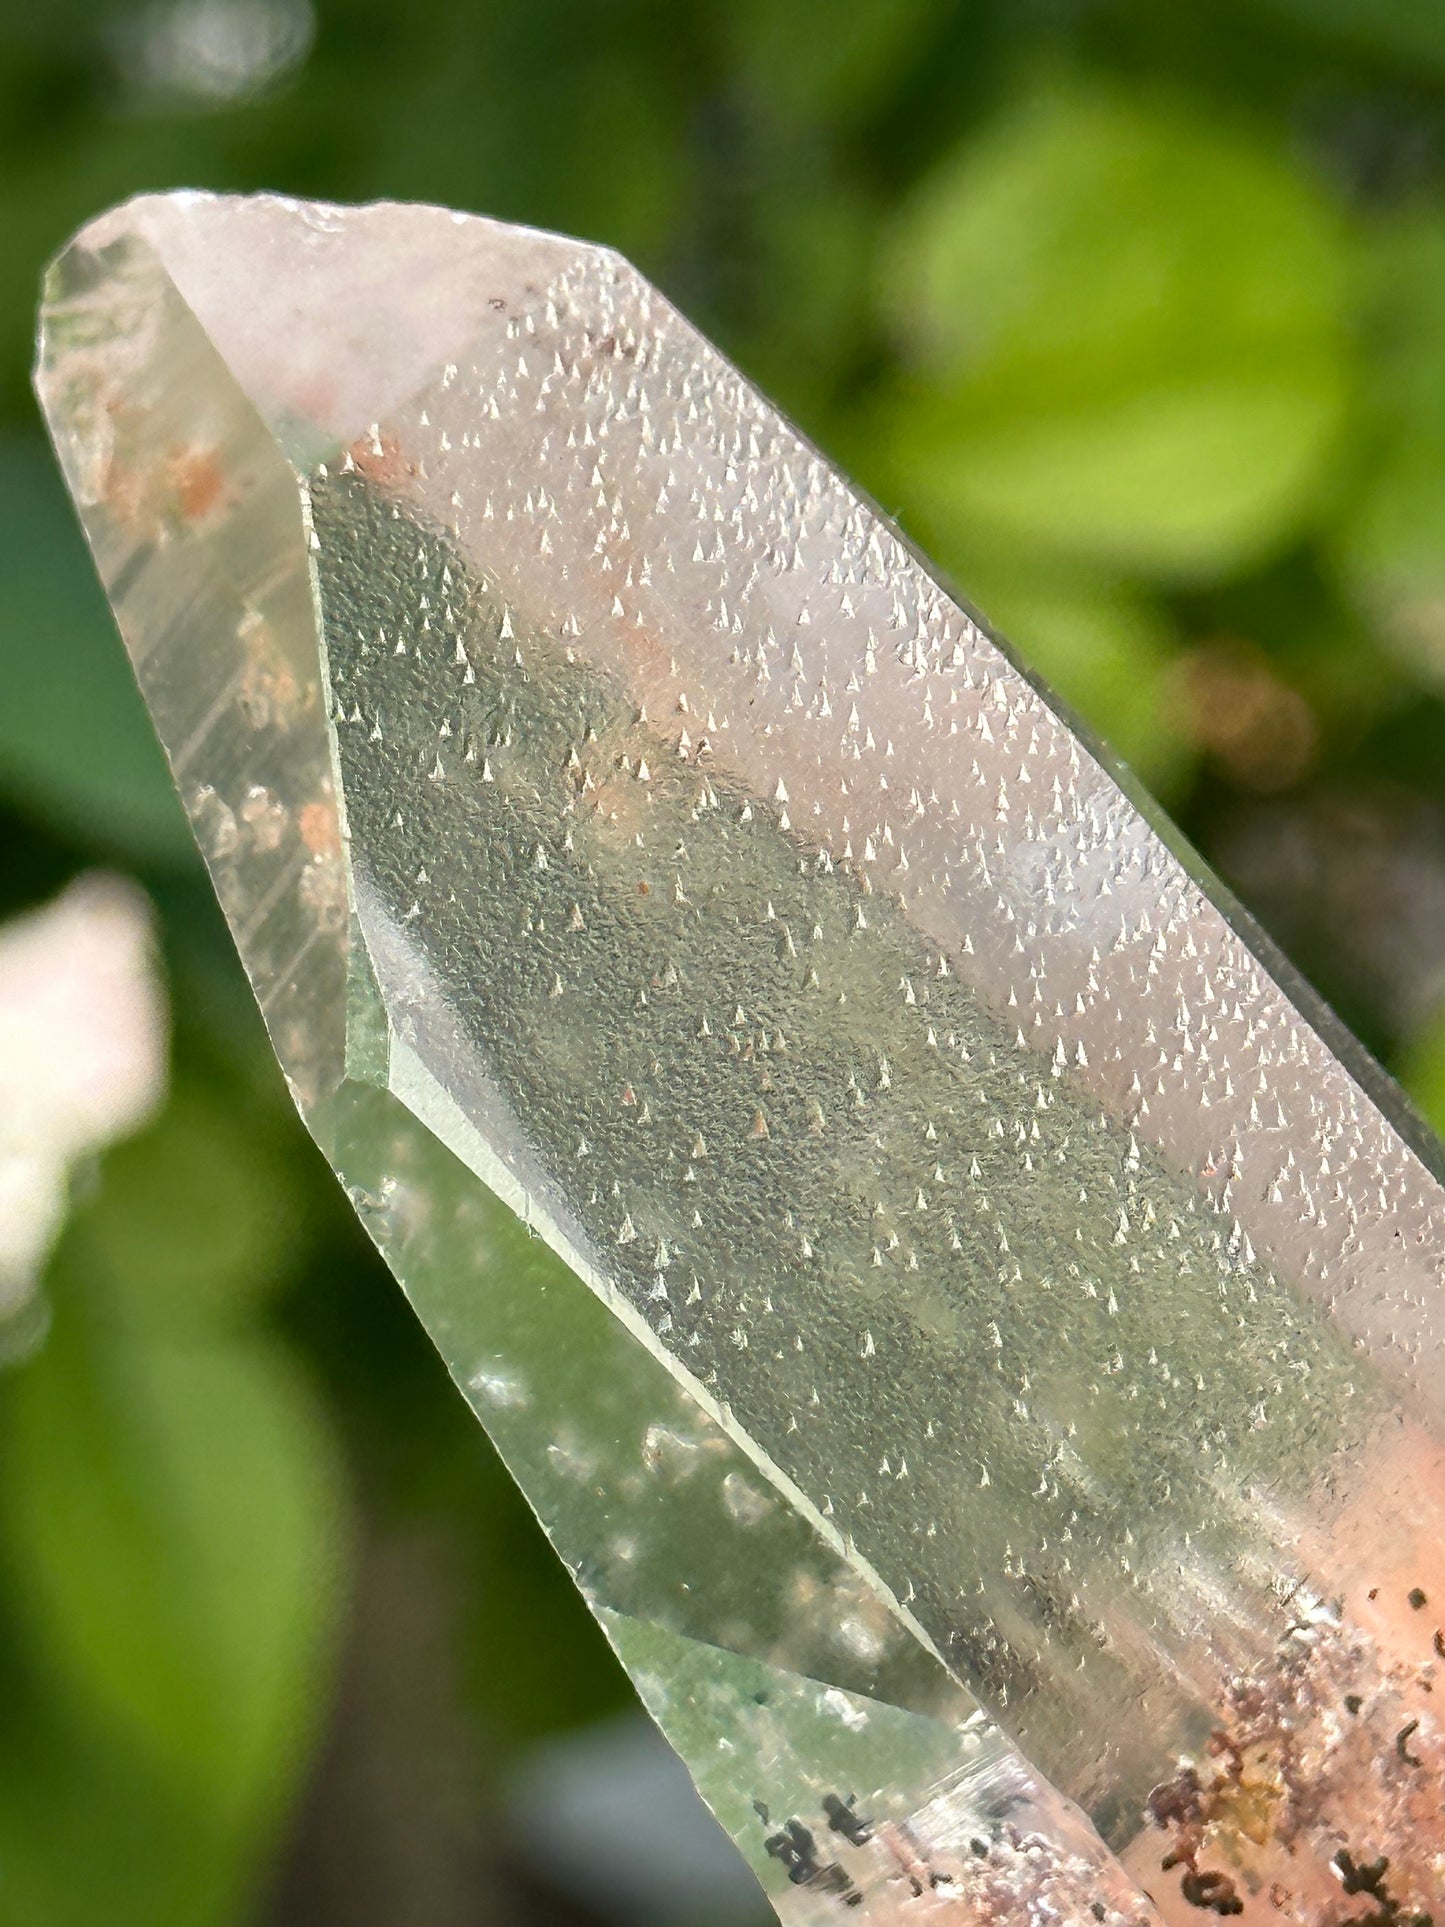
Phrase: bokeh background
(1134,313)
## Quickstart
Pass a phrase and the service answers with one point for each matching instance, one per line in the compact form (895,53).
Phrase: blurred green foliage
(1123,334)
(1133,312)
(171,1504)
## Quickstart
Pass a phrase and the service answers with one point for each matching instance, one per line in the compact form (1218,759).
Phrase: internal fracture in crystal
(980,1346)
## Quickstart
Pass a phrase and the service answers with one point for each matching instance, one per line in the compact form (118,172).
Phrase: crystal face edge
(195,523)
(1013,853)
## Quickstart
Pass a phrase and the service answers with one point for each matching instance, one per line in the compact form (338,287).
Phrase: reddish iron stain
(317,824)
(381,461)
(196,480)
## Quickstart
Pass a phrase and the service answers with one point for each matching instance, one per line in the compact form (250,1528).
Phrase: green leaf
(1390,542)
(1408,30)
(171,1517)
(813,250)
(1125,334)
(833,68)
(195,1219)
(1423,1072)
(89,1832)
(75,742)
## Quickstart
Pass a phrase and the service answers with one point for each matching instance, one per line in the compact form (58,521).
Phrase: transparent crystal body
(977,1334)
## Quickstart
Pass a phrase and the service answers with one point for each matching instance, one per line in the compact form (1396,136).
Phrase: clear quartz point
(977,1335)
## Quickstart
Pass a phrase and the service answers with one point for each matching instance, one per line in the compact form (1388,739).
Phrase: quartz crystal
(969,1320)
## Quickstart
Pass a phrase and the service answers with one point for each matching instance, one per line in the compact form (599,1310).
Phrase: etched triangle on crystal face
(979,1345)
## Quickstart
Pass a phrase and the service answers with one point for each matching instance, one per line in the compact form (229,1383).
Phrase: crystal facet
(980,1345)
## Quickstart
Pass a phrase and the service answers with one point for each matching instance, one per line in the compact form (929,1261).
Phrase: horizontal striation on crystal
(979,1345)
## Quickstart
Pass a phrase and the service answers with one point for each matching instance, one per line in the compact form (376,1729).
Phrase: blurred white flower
(212,51)
(82,1056)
